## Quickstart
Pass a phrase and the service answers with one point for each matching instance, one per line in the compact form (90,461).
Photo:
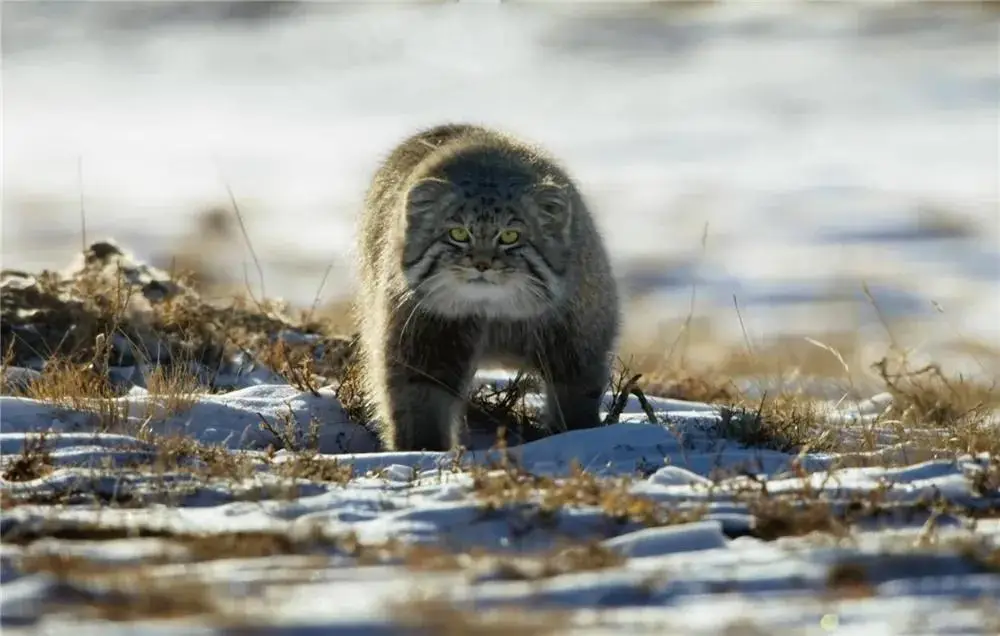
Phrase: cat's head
(486,238)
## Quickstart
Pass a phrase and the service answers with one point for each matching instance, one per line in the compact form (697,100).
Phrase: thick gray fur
(432,310)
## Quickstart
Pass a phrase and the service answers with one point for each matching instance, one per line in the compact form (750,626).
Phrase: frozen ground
(729,569)
(824,145)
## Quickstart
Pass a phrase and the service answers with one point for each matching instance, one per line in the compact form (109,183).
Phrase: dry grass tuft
(198,547)
(849,580)
(785,423)
(34,460)
(111,310)
(176,388)
(350,387)
(505,408)
(250,545)
(438,617)
(777,517)
(210,547)
(299,363)
(693,386)
(931,410)
(178,453)
(783,419)
(986,482)
(80,387)
(586,557)
(139,597)
(123,593)
(309,465)
(957,414)
(498,489)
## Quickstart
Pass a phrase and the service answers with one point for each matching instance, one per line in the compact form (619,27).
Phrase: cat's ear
(554,205)
(427,194)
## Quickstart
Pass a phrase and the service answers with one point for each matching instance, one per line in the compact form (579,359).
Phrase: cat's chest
(507,343)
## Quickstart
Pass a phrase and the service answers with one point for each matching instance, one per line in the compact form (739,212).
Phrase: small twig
(686,327)
(881,316)
(621,399)
(647,408)
(83,212)
(280,437)
(246,239)
(319,292)
(743,327)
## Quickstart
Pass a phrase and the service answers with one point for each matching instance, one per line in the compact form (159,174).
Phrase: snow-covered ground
(725,568)
(824,144)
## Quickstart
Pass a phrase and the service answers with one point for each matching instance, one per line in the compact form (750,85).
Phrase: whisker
(436,283)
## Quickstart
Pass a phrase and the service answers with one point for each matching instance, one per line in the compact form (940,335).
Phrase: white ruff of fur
(512,298)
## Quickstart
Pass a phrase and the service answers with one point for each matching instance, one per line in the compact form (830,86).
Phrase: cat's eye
(459,234)
(509,237)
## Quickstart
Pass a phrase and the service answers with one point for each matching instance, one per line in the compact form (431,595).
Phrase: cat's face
(483,244)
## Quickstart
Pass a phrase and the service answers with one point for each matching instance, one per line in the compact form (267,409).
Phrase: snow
(706,576)
(823,146)
(820,148)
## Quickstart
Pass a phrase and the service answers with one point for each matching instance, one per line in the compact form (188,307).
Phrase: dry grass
(661,379)
(438,617)
(139,596)
(504,409)
(986,483)
(113,311)
(196,547)
(178,453)
(175,387)
(350,387)
(143,591)
(34,460)
(980,552)
(498,489)
(85,388)
(778,517)
(113,314)
(80,387)
(785,423)
(764,388)
(849,580)
(955,413)
(113,317)
(587,557)
(313,467)
(805,510)
(206,547)
(126,593)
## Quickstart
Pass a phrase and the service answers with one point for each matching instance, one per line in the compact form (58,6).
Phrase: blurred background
(755,166)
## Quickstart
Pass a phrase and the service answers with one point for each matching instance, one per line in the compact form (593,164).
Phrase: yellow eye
(459,234)
(509,237)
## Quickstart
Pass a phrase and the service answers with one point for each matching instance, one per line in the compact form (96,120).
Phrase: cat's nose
(481,265)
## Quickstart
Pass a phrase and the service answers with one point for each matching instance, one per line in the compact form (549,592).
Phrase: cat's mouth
(485,293)
(488,277)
